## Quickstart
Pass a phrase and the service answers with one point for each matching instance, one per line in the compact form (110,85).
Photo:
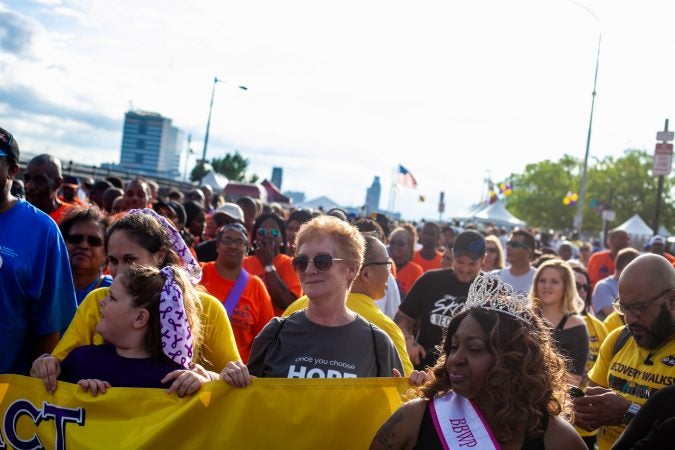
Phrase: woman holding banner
(142,237)
(498,383)
(326,339)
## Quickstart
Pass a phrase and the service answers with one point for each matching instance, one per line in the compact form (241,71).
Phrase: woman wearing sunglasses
(84,229)
(270,262)
(554,296)
(326,339)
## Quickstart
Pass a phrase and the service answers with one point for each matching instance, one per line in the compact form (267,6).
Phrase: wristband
(269,268)
(630,413)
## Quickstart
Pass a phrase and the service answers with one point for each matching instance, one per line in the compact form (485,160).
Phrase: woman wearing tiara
(498,384)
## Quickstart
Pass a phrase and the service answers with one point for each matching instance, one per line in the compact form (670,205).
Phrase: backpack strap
(621,340)
(377,356)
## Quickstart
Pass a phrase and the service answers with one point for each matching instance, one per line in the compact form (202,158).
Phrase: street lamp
(208,122)
(578,217)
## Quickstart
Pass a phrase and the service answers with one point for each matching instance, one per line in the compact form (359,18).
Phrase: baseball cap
(9,148)
(71,181)
(231,210)
(657,240)
(469,243)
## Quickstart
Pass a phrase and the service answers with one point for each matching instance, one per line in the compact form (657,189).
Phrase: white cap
(231,210)
(657,240)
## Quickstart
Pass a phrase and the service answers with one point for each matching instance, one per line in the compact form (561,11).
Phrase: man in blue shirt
(37,297)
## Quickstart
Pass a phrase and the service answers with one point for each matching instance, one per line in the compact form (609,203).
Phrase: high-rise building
(151,145)
(373,196)
(277,176)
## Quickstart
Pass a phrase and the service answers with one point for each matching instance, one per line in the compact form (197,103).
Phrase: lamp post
(208,122)
(578,217)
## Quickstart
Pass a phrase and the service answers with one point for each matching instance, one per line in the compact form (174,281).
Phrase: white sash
(460,424)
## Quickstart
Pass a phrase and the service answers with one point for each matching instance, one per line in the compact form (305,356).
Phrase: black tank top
(428,438)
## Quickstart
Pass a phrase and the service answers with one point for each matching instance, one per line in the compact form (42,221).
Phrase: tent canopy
(635,227)
(495,213)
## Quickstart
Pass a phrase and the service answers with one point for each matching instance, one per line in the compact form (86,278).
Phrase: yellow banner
(272,413)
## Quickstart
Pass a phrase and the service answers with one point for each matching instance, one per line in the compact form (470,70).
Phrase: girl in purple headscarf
(150,323)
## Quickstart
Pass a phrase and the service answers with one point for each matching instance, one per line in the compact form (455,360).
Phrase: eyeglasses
(76,239)
(229,242)
(516,244)
(581,286)
(322,262)
(639,308)
(274,232)
(491,250)
(584,249)
(378,263)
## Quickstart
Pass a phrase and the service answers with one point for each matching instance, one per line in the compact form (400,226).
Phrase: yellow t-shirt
(596,335)
(613,321)
(218,348)
(363,305)
(628,375)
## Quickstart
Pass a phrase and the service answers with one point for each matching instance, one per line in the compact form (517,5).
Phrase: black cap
(9,148)
(469,243)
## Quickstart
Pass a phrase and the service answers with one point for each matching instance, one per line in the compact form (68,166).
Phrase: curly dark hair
(527,381)
(78,214)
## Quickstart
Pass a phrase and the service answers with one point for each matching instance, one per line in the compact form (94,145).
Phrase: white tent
(495,213)
(637,229)
(663,231)
(215,180)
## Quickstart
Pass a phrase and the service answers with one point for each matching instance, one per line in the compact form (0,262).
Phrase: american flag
(405,178)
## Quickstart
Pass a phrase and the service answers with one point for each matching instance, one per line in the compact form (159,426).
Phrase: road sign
(663,159)
(665,136)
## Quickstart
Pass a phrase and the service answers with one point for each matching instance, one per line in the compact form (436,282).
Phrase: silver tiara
(491,292)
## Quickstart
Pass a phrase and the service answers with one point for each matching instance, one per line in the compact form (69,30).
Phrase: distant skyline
(342,92)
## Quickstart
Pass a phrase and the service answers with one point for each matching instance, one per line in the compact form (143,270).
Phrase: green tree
(232,166)
(623,184)
(538,193)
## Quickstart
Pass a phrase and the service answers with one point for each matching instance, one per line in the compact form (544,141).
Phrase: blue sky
(340,92)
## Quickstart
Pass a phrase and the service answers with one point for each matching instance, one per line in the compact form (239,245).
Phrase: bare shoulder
(561,435)
(575,320)
(400,430)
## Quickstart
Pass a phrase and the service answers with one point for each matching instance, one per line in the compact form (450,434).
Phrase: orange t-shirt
(252,312)
(407,276)
(600,265)
(61,211)
(283,265)
(428,264)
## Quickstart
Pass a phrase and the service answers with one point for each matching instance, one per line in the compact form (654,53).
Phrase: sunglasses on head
(322,262)
(274,232)
(76,239)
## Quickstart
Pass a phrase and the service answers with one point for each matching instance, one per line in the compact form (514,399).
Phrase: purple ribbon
(189,263)
(173,323)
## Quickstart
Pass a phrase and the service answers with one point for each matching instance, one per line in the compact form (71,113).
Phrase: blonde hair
(499,262)
(571,302)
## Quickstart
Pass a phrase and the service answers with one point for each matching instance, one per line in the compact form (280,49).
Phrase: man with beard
(436,297)
(637,360)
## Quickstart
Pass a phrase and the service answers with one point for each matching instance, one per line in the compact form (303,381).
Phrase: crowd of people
(509,338)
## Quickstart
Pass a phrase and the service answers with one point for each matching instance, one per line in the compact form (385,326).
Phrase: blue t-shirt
(37,295)
(100,282)
(103,363)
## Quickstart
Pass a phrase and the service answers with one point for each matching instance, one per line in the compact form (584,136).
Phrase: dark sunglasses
(322,262)
(491,250)
(274,232)
(581,286)
(516,244)
(76,239)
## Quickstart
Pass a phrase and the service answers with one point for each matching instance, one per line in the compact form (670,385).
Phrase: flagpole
(392,192)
